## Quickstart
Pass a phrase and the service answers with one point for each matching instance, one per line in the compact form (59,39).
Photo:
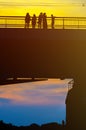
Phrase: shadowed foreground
(48,53)
(42,53)
(49,126)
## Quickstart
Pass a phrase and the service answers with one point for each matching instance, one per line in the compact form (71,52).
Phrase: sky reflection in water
(34,102)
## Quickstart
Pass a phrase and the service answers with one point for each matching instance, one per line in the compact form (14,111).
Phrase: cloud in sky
(38,3)
(4,101)
(36,102)
(43,92)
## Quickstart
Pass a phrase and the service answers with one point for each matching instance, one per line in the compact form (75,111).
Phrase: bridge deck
(42,53)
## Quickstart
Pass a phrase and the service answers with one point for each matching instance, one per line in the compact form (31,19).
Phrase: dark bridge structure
(48,53)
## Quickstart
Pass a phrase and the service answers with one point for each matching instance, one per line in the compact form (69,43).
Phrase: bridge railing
(60,22)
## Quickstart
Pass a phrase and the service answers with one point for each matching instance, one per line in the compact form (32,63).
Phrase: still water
(34,102)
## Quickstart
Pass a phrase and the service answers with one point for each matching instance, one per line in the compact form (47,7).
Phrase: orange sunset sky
(56,7)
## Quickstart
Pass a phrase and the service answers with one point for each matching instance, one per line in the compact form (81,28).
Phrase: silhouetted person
(40,20)
(63,123)
(27,20)
(34,21)
(52,21)
(44,21)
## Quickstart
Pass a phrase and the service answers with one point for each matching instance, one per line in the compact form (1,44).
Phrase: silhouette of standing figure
(34,21)
(44,21)
(52,21)
(27,20)
(40,19)
(63,122)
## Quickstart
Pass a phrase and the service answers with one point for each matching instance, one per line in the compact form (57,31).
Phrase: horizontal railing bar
(37,16)
(62,22)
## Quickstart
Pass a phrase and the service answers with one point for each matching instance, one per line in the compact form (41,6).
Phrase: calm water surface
(34,102)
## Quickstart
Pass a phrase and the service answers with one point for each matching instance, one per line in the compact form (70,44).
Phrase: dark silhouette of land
(50,54)
(47,126)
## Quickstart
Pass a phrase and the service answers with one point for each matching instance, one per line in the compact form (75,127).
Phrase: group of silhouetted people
(41,21)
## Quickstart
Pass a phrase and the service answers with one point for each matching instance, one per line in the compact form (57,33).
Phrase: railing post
(78,23)
(63,23)
(5,22)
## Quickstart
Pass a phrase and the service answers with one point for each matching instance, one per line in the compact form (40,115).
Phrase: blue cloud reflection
(38,102)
